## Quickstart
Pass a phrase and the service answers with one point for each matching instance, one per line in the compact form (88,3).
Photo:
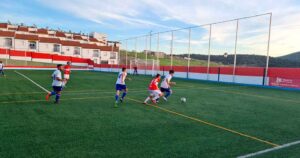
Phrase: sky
(122,19)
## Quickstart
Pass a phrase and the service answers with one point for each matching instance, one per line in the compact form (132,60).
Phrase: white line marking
(44,89)
(271,149)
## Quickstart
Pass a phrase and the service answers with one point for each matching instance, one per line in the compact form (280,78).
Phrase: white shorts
(155,92)
(66,76)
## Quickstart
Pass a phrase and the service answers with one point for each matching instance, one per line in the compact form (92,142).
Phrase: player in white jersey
(166,84)
(2,68)
(57,84)
(121,86)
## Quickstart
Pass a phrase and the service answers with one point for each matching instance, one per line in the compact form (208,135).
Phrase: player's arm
(59,79)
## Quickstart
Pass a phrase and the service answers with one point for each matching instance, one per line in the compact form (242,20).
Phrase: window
(56,48)
(104,61)
(77,51)
(113,55)
(104,53)
(32,45)
(8,42)
(96,53)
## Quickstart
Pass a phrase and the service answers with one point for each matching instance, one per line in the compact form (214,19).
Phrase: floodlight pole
(135,48)
(157,48)
(209,45)
(146,54)
(268,52)
(171,48)
(189,54)
(126,53)
(119,55)
(235,48)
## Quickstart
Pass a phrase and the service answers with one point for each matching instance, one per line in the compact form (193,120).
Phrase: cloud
(105,11)
(126,17)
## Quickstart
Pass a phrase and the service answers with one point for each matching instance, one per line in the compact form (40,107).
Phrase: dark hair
(123,69)
(171,71)
(157,75)
(68,62)
(59,65)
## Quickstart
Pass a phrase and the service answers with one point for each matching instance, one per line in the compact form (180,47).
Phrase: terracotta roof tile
(89,46)
(7,33)
(23,28)
(108,48)
(77,37)
(42,31)
(93,40)
(3,25)
(27,37)
(60,34)
(70,43)
(49,40)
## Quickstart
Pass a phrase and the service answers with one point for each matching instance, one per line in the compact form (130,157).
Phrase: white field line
(44,89)
(270,150)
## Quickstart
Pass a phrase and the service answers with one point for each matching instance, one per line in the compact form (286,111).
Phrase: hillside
(291,60)
(293,56)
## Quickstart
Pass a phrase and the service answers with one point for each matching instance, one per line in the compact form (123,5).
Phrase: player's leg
(51,93)
(2,72)
(149,97)
(167,94)
(66,77)
(157,95)
(125,90)
(57,97)
(117,95)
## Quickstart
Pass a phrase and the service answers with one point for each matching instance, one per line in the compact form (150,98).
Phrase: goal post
(144,67)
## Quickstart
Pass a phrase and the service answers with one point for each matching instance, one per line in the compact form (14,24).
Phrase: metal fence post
(135,49)
(146,54)
(235,48)
(171,49)
(268,51)
(209,45)
(126,46)
(189,54)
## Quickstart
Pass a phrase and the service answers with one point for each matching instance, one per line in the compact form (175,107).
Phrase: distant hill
(293,56)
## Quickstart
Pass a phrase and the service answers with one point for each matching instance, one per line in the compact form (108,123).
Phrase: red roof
(49,40)
(11,28)
(77,37)
(108,48)
(27,37)
(89,46)
(93,40)
(70,43)
(7,33)
(3,25)
(42,31)
(23,28)
(60,34)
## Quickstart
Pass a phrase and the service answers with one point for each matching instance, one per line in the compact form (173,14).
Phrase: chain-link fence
(224,51)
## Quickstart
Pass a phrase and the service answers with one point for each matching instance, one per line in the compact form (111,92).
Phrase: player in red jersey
(67,72)
(154,91)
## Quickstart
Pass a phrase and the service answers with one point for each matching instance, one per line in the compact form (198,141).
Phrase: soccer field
(218,120)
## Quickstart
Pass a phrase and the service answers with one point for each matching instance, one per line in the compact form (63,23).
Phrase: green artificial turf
(85,123)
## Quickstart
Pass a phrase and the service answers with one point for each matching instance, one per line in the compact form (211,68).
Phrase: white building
(94,46)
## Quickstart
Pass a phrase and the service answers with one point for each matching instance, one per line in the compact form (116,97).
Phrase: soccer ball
(183,99)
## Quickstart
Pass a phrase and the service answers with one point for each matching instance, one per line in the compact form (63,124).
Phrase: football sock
(123,95)
(147,99)
(156,97)
(57,97)
(117,97)
(52,93)
(167,94)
